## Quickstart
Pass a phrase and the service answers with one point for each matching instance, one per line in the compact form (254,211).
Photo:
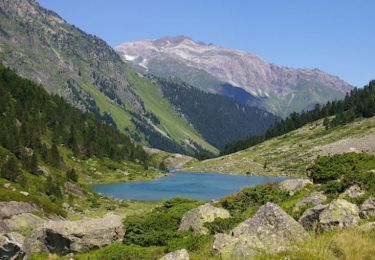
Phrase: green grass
(285,155)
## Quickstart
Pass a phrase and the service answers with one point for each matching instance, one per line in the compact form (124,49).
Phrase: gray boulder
(367,209)
(74,188)
(181,254)
(12,247)
(294,185)
(353,191)
(194,219)
(64,237)
(315,198)
(339,213)
(310,218)
(11,208)
(22,221)
(271,230)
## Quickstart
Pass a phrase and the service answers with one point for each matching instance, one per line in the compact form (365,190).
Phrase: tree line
(358,103)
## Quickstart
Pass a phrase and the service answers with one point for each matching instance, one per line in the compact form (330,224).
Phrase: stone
(181,254)
(22,221)
(74,188)
(64,237)
(11,208)
(271,230)
(24,193)
(310,218)
(12,247)
(315,198)
(339,213)
(367,209)
(194,219)
(352,192)
(294,185)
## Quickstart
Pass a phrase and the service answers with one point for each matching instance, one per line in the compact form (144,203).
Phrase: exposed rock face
(294,185)
(181,254)
(194,219)
(208,66)
(12,247)
(13,211)
(72,187)
(310,218)
(271,229)
(23,221)
(64,237)
(367,208)
(315,198)
(352,192)
(339,213)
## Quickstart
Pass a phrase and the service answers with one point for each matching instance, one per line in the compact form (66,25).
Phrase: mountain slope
(83,69)
(280,90)
(219,119)
(288,154)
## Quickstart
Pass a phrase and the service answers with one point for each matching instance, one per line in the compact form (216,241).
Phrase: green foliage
(71,175)
(10,170)
(190,241)
(359,103)
(340,171)
(222,225)
(254,197)
(159,226)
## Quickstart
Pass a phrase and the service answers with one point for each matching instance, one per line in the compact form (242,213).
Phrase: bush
(221,225)
(190,241)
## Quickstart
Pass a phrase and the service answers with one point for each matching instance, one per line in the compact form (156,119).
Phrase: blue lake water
(203,186)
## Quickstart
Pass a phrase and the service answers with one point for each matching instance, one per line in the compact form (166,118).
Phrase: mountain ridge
(283,89)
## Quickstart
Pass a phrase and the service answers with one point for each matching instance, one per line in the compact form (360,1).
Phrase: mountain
(218,118)
(239,74)
(88,73)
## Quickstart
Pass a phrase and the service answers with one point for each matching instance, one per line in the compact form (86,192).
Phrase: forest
(360,102)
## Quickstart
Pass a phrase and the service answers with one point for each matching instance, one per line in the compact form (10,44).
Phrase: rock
(43,170)
(12,247)
(181,254)
(367,227)
(367,209)
(352,192)
(194,219)
(75,188)
(271,230)
(310,218)
(294,185)
(24,193)
(339,213)
(11,208)
(315,198)
(64,237)
(21,221)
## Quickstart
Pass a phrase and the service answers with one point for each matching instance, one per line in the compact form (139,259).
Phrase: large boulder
(353,191)
(271,230)
(194,219)
(367,209)
(11,208)
(181,254)
(64,237)
(339,213)
(74,188)
(12,247)
(310,218)
(23,221)
(294,185)
(315,198)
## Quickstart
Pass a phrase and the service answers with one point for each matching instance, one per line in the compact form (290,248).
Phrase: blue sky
(337,36)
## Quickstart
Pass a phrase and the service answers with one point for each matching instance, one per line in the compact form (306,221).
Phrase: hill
(239,74)
(288,154)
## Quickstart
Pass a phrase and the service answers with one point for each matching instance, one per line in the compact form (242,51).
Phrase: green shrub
(189,241)
(221,225)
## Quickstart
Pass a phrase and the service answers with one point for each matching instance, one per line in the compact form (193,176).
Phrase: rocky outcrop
(194,219)
(21,221)
(315,198)
(271,230)
(64,237)
(338,214)
(294,185)
(310,218)
(74,188)
(181,254)
(13,212)
(367,209)
(12,247)
(352,192)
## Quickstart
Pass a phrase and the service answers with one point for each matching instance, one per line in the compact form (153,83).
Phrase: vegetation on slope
(219,119)
(359,103)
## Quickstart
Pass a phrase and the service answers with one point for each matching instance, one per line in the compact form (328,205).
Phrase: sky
(336,36)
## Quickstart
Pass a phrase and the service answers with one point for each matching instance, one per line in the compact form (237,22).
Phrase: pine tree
(10,170)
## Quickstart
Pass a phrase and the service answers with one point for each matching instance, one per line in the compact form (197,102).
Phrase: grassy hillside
(286,154)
